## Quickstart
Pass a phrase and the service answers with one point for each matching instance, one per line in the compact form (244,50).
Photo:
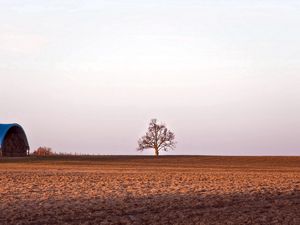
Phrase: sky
(86,76)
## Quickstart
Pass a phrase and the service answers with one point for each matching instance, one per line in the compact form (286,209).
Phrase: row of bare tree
(158,137)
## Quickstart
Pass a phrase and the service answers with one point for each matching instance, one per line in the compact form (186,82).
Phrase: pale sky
(86,76)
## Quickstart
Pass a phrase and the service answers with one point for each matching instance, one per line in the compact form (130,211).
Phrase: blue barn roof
(4,128)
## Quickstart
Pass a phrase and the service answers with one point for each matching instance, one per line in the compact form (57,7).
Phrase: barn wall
(14,142)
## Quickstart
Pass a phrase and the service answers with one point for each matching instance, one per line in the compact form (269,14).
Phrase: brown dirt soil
(147,190)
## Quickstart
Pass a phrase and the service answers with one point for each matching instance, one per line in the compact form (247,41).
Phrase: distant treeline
(46,151)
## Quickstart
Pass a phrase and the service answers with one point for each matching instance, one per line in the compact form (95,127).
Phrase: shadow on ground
(242,208)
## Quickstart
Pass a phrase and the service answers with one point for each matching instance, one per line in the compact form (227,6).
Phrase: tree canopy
(157,137)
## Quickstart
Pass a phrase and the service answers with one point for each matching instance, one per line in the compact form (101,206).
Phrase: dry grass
(146,190)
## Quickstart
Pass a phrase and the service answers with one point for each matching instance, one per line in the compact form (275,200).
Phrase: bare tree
(157,137)
(43,151)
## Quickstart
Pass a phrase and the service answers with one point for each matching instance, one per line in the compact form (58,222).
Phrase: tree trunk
(156,152)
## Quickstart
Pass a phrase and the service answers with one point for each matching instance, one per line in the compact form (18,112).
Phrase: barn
(13,141)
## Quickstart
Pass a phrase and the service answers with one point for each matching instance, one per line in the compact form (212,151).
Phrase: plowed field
(148,190)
